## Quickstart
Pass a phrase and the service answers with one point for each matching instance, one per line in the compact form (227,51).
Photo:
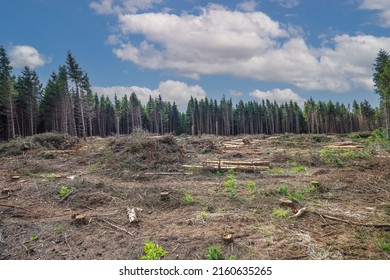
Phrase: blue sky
(250,50)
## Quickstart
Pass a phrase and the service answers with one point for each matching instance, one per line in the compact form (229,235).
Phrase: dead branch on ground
(352,222)
(117,227)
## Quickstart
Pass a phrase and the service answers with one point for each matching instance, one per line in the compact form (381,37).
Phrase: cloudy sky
(276,49)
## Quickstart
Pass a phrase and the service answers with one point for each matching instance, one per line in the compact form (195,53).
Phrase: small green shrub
(384,246)
(378,139)
(218,174)
(282,213)
(203,215)
(331,156)
(188,198)
(274,171)
(251,187)
(296,168)
(283,190)
(231,185)
(64,191)
(297,196)
(214,253)
(32,238)
(357,154)
(153,251)
(354,137)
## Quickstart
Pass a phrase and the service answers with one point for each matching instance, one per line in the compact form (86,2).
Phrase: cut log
(228,167)
(236,162)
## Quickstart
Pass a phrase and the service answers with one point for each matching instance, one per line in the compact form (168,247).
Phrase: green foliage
(274,171)
(283,190)
(214,253)
(282,213)
(49,140)
(153,251)
(203,215)
(320,138)
(357,154)
(46,155)
(296,167)
(231,185)
(251,187)
(354,137)
(378,139)
(337,157)
(32,238)
(218,174)
(64,191)
(384,246)
(331,156)
(188,198)
(297,196)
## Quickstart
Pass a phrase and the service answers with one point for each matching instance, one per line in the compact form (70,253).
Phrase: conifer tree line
(67,105)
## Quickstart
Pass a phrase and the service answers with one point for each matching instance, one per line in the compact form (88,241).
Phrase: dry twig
(18,207)
(117,227)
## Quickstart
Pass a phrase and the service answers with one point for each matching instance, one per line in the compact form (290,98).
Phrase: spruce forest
(66,104)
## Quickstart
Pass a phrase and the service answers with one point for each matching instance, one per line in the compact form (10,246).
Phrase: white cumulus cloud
(383,8)
(250,44)
(278,95)
(23,55)
(173,91)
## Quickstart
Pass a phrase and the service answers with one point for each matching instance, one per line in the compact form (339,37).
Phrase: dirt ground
(346,217)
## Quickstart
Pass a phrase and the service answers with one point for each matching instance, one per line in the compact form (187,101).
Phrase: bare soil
(347,217)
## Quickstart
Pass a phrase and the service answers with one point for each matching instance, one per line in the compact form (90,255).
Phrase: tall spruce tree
(381,79)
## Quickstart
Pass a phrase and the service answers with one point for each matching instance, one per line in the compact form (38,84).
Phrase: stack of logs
(224,165)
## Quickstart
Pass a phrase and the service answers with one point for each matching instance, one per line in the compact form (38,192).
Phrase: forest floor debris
(346,214)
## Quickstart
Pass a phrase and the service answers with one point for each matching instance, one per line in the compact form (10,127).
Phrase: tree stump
(6,191)
(80,219)
(228,238)
(164,196)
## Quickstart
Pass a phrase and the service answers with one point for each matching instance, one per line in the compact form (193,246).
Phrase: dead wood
(18,207)
(237,162)
(117,227)
(299,213)
(133,215)
(4,197)
(352,222)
